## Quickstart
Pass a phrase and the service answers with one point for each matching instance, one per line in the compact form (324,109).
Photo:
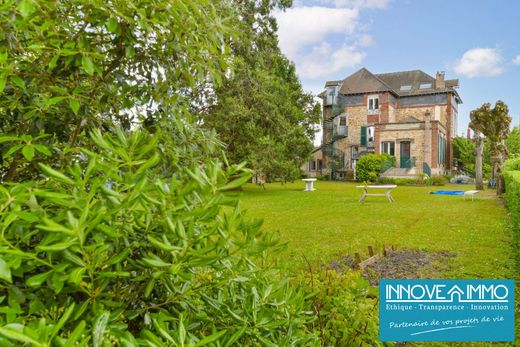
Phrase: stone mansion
(410,115)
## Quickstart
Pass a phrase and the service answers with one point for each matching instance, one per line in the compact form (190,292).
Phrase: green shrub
(346,309)
(386,180)
(112,252)
(369,166)
(512,198)
(512,164)
(322,177)
(438,180)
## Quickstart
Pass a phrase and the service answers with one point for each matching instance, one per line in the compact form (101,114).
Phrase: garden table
(309,184)
(470,192)
(387,187)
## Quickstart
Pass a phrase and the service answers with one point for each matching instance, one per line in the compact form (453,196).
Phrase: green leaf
(12,150)
(43,149)
(113,25)
(26,7)
(87,65)
(3,81)
(28,152)
(236,183)
(56,247)
(55,100)
(235,337)
(52,226)
(16,335)
(74,105)
(62,320)
(8,138)
(5,271)
(156,262)
(58,176)
(210,338)
(76,334)
(37,280)
(98,332)
(18,81)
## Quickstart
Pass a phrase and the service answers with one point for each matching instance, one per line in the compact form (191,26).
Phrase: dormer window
(406,87)
(373,104)
(425,86)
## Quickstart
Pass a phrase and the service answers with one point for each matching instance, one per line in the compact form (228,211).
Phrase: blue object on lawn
(448,192)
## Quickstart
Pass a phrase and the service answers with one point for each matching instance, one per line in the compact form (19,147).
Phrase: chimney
(439,80)
(469,134)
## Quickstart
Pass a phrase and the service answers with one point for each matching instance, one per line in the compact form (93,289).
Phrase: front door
(406,163)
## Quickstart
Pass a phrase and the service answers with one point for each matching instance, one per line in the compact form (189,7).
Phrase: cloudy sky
(476,41)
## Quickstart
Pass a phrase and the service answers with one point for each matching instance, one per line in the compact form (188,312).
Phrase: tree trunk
(478,162)
(501,184)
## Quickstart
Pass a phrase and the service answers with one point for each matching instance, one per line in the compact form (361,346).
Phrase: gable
(363,81)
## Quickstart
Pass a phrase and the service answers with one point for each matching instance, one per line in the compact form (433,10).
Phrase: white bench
(470,192)
(309,184)
(388,188)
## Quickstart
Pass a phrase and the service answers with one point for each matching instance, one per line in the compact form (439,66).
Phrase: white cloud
(325,59)
(323,37)
(366,40)
(516,60)
(303,26)
(479,62)
(358,3)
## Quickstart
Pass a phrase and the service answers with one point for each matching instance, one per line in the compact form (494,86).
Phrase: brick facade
(421,125)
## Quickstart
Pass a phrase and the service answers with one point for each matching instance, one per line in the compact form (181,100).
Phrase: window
(342,128)
(441,148)
(406,87)
(425,86)
(367,136)
(370,135)
(373,104)
(388,147)
(363,141)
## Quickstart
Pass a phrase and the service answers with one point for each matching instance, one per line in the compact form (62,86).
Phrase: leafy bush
(112,252)
(512,198)
(347,309)
(322,177)
(369,166)
(512,164)
(437,180)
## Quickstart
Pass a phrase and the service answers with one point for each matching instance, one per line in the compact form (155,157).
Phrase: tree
(479,141)
(513,142)
(464,154)
(260,111)
(71,66)
(493,123)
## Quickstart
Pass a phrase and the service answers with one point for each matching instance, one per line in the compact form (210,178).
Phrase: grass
(330,222)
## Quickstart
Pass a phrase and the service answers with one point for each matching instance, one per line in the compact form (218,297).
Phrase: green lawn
(329,222)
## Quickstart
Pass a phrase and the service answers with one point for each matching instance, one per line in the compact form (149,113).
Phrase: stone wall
(413,132)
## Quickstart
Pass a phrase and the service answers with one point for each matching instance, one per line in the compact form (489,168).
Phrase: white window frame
(373,104)
(383,143)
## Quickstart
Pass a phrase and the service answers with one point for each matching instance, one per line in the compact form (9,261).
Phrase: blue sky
(476,41)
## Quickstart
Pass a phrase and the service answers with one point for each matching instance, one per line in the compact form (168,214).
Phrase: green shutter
(363,136)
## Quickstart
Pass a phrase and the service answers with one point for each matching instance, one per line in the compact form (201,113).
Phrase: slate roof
(363,81)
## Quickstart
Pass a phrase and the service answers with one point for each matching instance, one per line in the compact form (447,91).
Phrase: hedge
(512,197)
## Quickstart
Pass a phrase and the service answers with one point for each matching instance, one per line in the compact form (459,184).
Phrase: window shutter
(363,136)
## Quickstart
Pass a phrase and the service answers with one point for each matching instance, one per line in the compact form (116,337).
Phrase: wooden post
(370,251)
(384,251)
(358,258)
